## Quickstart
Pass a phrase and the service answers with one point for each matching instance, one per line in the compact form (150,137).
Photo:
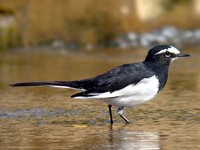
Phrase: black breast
(161,71)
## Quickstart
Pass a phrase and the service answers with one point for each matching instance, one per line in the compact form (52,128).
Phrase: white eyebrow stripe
(162,51)
(171,50)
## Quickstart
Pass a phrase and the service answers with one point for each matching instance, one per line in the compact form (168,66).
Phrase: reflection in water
(129,140)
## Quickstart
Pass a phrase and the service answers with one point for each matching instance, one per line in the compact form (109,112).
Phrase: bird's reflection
(129,140)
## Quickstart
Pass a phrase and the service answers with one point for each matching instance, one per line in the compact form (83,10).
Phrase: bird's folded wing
(116,82)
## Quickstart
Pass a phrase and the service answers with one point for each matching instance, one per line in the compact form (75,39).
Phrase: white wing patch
(66,87)
(171,50)
(144,90)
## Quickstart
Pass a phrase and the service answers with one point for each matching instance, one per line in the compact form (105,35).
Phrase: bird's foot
(120,112)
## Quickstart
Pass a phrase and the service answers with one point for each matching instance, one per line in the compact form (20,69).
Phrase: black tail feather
(37,84)
(80,85)
(64,84)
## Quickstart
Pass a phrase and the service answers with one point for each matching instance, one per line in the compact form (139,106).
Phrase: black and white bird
(126,85)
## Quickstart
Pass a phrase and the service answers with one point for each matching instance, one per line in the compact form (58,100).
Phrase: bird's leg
(120,113)
(110,112)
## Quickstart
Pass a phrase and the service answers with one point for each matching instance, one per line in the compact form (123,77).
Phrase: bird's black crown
(160,53)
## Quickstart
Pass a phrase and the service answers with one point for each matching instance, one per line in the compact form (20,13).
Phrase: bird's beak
(183,55)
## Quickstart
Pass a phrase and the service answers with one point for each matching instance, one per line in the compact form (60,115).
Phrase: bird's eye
(167,54)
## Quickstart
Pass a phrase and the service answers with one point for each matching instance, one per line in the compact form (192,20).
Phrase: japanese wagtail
(126,85)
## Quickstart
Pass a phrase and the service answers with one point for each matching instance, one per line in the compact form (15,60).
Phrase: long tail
(59,84)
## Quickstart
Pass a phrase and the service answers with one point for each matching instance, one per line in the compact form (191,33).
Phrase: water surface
(42,117)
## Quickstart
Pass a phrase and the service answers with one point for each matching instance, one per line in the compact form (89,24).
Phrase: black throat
(161,71)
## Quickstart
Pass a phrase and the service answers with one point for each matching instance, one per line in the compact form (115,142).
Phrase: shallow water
(42,117)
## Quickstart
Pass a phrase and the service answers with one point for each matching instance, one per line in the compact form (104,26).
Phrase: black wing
(115,79)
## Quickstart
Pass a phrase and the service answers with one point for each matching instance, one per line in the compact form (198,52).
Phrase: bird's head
(164,53)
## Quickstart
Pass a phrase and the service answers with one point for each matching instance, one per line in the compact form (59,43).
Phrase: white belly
(130,95)
(143,91)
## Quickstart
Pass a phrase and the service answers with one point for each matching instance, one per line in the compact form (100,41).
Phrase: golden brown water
(47,118)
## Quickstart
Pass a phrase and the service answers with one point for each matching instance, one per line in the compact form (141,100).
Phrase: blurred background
(88,25)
